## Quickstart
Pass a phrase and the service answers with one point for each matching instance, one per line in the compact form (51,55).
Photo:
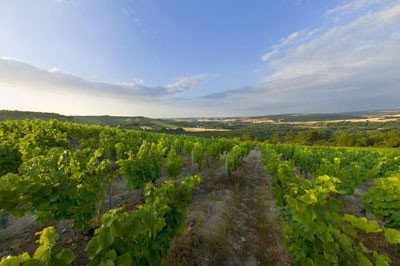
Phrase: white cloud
(136,82)
(291,40)
(16,75)
(5,58)
(58,91)
(269,55)
(54,69)
(343,67)
(359,43)
(355,5)
(71,3)
(184,83)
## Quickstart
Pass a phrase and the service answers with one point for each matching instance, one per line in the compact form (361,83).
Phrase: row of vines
(309,183)
(60,170)
(65,171)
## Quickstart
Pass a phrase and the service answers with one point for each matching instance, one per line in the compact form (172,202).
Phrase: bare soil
(233,221)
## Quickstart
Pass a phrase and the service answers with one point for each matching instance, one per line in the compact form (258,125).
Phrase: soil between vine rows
(233,221)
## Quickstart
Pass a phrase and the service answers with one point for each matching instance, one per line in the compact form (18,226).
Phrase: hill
(133,122)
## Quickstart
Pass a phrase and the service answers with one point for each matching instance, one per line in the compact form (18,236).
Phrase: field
(109,196)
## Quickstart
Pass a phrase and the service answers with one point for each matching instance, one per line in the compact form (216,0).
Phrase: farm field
(191,201)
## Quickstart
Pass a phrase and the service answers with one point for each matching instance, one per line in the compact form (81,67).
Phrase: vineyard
(100,195)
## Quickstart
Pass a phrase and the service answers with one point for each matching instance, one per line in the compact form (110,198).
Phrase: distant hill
(19,115)
(134,122)
(231,123)
(374,115)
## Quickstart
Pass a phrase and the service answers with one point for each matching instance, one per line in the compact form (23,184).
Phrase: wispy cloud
(355,5)
(67,2)
(16,74)
(270,55)
(346,66)
(293,39)
(184,83)
(365,41)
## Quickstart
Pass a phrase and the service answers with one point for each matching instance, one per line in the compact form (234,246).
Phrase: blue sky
(174,58)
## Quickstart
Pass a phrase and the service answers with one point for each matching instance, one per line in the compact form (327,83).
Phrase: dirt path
(233,221)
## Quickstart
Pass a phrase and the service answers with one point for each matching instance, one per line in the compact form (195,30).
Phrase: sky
(199,58)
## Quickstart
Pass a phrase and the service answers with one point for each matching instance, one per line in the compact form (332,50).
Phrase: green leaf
(92,248)
(15,261)
(111,254)
(64,257)
(331,257)
(107,263)
(105,240)
(345,243)
(98,153)
(369,226)
(309,197)
(33,263)
(348,229)
(363,260)
(125,260)
(107,220)
(42,253)
(392,236)
(382,260)
(47,236)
